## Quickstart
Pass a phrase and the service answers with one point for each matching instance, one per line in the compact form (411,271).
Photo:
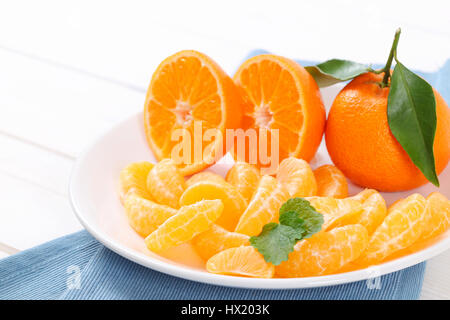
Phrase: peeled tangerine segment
(165,183)
(204,176)
(402,227)
(188,222)
(133,179)
(438,216)
(217,239)
(264,206)
(245,177)
(243,261)
(331,182)
(325,252)
(374,209)
(234,203)
(145,216)
(337,212)
(297,177)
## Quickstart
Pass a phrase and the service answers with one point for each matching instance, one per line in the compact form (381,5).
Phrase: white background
(69,70)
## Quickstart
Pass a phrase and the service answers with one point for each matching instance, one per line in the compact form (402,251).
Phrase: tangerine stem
(387,67)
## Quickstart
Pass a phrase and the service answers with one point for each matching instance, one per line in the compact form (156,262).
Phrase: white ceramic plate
(94,197)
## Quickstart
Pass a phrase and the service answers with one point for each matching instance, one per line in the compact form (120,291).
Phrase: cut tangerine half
(402,227)
(244,261)
(217,239)
(325,252)
(189,88)
(234,203)
(331,182)
(145,216)
(245,177)
(298,178)
(264,206)
(280,94)
(133,179)
(184,225)
(165,183)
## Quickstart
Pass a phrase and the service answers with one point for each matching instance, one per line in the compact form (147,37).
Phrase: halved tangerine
(280,94)
(187,88)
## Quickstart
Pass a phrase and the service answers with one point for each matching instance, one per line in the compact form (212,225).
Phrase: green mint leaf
(298,220)
(276,241)
(291,219)
(335,70)
(312,220)
(411,115)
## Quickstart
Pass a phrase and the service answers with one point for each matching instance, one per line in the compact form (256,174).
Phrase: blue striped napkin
(78,267)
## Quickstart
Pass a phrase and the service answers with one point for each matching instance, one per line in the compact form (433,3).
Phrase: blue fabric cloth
(48,272)
(79,267)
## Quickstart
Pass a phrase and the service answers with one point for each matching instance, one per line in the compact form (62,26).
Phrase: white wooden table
(70,70)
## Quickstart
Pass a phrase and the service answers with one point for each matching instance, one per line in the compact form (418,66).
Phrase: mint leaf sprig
(411,105)
(298,220)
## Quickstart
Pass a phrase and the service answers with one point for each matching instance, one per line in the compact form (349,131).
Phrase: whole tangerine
(362,146)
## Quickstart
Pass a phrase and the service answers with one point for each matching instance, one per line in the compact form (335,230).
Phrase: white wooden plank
(437,278)
(125,42)
(35,165)
(30,215)
(59,109)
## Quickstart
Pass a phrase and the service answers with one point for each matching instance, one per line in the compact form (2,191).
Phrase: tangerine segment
(234,203)
(363,195)
(437,219)
(298,178)
(325,252)
(243,261)
(217,239)
(133,179)
(331,182)
(204,176)
(184,225)
(337,212)
(280,94)
(186,88)
(165,182)
(374,209)
(245,177)
(145,216)
(402,227)
(264,206)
